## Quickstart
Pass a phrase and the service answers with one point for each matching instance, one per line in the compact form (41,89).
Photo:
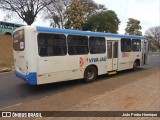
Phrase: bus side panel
(63,68)
(59,76)
(98,60)
(124,59)
(127,59)
(25,61)
(137,56)
(125,62)
(58,68)
(31,45)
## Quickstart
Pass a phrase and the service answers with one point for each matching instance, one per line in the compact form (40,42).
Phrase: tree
(91,8)
(105,21)
(133,27)
(57,13)
(75,14)
(27,10)
(153,34)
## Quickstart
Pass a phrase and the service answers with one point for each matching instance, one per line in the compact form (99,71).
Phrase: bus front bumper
(31,78)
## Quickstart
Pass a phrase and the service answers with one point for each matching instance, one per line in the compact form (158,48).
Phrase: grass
(6,52)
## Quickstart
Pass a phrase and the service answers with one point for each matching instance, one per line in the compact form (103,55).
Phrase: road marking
(11,106)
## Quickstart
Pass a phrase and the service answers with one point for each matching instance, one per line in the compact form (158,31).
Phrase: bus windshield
(18,40)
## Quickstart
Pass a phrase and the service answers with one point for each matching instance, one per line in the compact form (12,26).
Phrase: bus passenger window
(109,50)
(125,45)
(62,50)
(42,51)
(49,51)
(136,45)
(53,44)
(77,45)
(97,45)
(2,24)
(11,26)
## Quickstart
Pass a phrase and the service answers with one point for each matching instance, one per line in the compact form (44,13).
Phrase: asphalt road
(14,90)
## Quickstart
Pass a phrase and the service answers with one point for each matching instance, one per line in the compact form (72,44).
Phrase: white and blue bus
(46,55)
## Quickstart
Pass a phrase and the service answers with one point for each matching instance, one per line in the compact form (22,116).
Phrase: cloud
(40,22)
(2,15)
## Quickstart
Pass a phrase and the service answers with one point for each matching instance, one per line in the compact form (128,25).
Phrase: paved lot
(15,91)
(142,94)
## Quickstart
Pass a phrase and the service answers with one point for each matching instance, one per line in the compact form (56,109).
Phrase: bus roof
(12,23)
(77,32)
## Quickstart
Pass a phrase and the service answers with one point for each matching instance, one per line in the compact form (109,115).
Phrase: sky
(147,11)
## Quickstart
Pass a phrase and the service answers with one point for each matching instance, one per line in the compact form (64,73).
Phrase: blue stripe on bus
(77,32)
(31,78)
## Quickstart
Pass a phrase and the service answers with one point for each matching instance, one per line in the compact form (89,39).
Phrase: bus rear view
(20,57)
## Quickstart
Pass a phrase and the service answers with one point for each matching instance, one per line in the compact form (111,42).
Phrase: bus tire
(135,64)
(90,74)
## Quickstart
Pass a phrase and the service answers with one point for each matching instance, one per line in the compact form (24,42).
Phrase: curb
(4,70)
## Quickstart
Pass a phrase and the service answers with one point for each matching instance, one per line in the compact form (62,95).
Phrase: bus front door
(112,55)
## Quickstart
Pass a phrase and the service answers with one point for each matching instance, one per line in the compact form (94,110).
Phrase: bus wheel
(135,66)
(90,74)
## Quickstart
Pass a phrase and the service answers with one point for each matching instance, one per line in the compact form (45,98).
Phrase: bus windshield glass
(18,40)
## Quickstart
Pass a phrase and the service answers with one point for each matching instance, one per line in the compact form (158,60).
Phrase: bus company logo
(125,54)
(84,60)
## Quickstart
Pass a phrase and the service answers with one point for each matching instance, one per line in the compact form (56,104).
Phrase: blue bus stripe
(77,32)
(31,78)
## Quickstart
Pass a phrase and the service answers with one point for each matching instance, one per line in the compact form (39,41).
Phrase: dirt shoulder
(6,53)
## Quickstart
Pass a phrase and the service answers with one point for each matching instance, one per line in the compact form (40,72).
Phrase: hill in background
(6,52)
